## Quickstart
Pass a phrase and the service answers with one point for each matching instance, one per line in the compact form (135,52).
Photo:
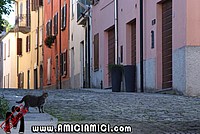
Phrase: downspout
(38,32)
(60,45)
(141,47)
(88,23)
(116,32)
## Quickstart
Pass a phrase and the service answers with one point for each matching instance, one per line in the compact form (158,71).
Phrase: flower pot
(129,74)
(116,78)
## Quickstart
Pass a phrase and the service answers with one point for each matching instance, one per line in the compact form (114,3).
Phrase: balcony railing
(23,23)
(81,11)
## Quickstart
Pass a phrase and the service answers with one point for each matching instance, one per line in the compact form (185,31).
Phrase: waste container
(129,74)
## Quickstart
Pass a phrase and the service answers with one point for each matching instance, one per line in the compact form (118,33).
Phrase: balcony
(81,10)
(23,23)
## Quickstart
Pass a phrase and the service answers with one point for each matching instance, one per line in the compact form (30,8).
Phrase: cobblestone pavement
(146,113)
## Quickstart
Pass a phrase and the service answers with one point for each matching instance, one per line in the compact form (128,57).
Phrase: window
(40,2)
(36,4)
(4,55)
(49,71)
(56,24)
(19,46)
(21,12)
(1,47)
(9,48)
(121,54)
(28,43)
(36,38)
(28,13)
(49,28)
(73,9)
(152,39)
(28,79)
(64,63)
(41,36)
(21,80)
(96,52)
(63,17)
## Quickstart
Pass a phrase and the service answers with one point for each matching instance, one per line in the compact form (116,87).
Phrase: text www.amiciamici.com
(81,128)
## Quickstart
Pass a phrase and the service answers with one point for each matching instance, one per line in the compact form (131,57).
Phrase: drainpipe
(141,47)
(116,32)
(60,45)
(38,32)
(88,38)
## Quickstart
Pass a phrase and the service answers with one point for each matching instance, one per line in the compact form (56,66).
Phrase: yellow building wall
(28,60)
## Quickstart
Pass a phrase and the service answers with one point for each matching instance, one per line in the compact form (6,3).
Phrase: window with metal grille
(96,52)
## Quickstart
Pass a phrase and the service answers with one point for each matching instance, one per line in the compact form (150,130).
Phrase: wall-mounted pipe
(116,32)
(141,47)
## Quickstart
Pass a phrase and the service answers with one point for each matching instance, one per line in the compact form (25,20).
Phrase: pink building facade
(170,43)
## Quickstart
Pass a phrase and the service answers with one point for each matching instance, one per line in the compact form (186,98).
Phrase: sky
(11,18)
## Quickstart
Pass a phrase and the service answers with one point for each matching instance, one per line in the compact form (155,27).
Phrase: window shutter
(96,52)
(61,64)
(33,5)
(64,16)
(22,80)
(27,43)
(4,55)
(19,46)
(50,27)
(56,24)
(9,48)
(40,2)
(64,63)
(47,31)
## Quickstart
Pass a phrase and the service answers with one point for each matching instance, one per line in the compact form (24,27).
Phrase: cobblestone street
(146,113)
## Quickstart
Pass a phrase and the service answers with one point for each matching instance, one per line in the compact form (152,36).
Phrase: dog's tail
(20,101)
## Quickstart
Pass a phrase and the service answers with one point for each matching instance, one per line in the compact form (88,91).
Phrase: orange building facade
(56,38)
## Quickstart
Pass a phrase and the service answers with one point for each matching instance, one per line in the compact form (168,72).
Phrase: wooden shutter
(47,31)
(61,64)
(65,62)
(29,42)
(26,43)
(33,5)
(22,80)
(56,24)
(50,27)
(96,52)
(19,46)
(40,2)
(64,16)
